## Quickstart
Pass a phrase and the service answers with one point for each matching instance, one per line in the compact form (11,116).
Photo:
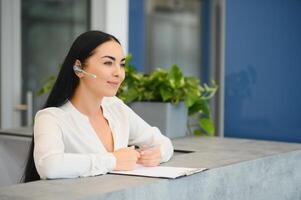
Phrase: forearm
(69,165)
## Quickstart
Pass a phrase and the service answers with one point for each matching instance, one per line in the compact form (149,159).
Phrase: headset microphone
(77,69)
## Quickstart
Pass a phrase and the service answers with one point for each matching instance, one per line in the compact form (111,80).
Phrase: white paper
(160,171)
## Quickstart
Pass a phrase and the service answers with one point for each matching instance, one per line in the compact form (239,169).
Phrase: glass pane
(48,29)
(174,34)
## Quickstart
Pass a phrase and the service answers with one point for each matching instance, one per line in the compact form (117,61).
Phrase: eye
(122,64)
(108,63)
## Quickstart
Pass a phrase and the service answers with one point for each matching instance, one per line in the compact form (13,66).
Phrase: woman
(84,130)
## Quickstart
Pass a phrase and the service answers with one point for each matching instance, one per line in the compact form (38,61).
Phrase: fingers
(134,152)
(150,151)
(150,157)
(149,163)
(143,147)
(149,160)
(126,158)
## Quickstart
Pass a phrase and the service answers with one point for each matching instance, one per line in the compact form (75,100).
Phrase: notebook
(160,171)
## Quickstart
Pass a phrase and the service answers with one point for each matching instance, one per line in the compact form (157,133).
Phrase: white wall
(111,16)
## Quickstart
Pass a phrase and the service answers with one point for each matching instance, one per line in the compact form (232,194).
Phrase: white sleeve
(51,161)
(142,133)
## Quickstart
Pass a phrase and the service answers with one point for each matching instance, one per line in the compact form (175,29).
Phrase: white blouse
(66,145)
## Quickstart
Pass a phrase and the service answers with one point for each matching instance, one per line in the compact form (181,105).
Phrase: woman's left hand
(149,157)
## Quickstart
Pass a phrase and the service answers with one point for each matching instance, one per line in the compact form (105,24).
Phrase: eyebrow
(112,58)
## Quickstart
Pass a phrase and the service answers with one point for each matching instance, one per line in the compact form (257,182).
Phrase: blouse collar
(71,108)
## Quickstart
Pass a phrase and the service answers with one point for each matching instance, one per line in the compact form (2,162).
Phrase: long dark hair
(66,83)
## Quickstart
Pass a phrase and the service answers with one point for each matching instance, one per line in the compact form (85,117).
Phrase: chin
(106,92)
(110,94)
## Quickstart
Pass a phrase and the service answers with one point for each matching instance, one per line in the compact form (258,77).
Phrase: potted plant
(165,98)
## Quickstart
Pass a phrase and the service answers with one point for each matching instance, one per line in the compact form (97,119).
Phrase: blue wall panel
(205,46)
(263,69)
(136,33)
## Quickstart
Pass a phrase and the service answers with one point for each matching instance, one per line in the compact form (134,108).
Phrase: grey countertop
(223,157)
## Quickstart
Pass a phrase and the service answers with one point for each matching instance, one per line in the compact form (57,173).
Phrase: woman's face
(107,63)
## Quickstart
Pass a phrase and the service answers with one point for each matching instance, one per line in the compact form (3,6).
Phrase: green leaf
(199,106)
(191,99)
(197,132)
(176,78)
(207,125)
(128,59)
(165,93)
(209,92)
(129,96)
(48,84)
(192,80)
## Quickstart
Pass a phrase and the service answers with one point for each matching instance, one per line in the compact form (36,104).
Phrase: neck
(86,102)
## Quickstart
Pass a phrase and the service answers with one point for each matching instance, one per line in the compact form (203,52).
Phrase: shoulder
(115,106)
(50,113)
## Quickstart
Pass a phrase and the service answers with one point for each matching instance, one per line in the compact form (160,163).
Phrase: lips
(113,83)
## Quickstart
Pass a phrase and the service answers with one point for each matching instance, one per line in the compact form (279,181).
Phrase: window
(48,29)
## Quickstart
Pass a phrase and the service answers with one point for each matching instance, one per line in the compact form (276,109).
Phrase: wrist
(113,162)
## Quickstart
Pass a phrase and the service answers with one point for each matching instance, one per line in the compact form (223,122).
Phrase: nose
(117,70)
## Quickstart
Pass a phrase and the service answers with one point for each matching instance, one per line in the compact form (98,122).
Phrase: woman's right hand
(126,158)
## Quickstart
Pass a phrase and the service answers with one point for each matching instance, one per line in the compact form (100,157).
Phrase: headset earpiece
(77,69)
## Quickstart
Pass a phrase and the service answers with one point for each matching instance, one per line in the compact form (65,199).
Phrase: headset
(78,69)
